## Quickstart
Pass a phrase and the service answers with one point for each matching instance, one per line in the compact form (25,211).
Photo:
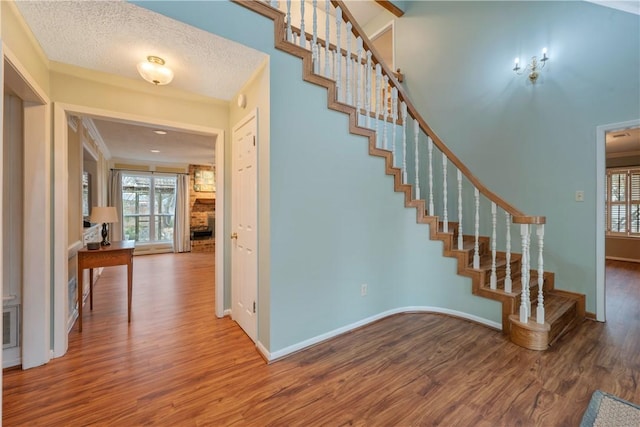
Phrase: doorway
(26,195)
(61,114)
(601,198)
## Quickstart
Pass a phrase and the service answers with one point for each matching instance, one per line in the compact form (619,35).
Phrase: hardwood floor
(177,365)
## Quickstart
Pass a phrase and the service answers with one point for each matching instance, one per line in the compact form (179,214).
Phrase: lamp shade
(104,214)
(154,71)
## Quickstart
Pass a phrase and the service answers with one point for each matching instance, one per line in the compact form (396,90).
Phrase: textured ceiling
(113,36)
(135,142)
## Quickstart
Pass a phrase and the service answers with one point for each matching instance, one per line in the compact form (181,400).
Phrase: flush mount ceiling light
(154,71)
(160,132)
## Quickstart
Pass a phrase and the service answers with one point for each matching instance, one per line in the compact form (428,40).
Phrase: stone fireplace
(203,213)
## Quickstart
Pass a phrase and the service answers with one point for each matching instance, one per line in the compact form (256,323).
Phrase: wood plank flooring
(177,365)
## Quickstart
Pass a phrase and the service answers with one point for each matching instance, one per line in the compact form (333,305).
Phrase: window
(623,202)
(86,194)
(148,207)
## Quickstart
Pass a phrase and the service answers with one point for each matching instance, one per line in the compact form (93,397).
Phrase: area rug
(607,410)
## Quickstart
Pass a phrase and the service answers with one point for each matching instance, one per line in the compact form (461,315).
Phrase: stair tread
(555,306)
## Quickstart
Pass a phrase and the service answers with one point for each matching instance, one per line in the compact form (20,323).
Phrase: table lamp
(105,215)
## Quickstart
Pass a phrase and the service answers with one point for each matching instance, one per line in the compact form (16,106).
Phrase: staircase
(534,313)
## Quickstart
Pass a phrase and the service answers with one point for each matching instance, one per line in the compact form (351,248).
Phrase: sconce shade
(154,71)
(104,214)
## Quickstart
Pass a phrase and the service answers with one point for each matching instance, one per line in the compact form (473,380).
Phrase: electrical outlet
(363,289)
(579,196)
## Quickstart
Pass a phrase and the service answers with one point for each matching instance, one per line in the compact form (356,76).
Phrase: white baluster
(354,80)
(445,213)
(339,54)
(540,309)
(416,142)
(303,35)
(430,150)
(289,32)
(315,21)
(394,117)
(379,93)
(315,58)
(385,116)
(314,43)
(525,302)
(494,277)
(403,112)
(327,66)
(460,235)
(476,244)
(333,66)
(367,92)
(349,65)
(359,70)
(507,278)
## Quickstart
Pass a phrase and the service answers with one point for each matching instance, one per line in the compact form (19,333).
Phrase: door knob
(234,236)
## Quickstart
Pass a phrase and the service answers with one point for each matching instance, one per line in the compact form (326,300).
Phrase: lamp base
(105,234)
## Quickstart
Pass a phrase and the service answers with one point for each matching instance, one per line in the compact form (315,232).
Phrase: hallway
(176,364)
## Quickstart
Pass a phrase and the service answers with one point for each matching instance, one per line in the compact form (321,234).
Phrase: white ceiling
(623,143)
(189,148)
(113,36)
(630,6)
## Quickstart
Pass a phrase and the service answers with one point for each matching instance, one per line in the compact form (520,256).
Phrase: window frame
(152,215)
(631,200)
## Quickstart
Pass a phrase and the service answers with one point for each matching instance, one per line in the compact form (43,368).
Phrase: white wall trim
(601,168)
(61,197)
(270,357)
(220,224)
(95,134)
(36,293)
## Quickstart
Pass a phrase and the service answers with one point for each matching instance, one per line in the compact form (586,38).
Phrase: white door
(244,217)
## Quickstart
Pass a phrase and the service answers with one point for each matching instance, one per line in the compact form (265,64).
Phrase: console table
(117,253)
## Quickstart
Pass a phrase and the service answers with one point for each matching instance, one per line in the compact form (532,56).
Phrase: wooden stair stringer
(509,301)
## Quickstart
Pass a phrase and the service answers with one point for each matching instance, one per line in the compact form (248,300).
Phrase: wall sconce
(533,68)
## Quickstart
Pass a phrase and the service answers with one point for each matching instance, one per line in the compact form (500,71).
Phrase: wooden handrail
(518,216)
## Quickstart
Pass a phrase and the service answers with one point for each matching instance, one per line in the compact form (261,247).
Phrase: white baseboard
(270,357)
(227,312)
(11,357)
(615,258)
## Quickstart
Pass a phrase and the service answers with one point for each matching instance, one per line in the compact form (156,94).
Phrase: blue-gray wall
(534,145)
(335,222)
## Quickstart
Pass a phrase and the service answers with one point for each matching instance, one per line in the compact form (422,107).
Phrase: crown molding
(95,134)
